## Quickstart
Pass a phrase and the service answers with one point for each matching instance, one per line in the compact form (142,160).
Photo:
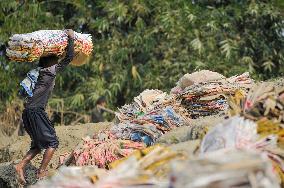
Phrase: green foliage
(143,44)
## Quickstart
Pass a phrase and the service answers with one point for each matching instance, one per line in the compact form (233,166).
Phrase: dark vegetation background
(141,44)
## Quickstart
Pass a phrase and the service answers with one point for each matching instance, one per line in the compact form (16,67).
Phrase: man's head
(101,101)
(48,61)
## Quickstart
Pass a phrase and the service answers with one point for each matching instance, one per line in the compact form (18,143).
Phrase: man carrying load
(35,119)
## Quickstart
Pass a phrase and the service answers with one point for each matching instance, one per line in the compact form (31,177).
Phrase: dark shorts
(39,128)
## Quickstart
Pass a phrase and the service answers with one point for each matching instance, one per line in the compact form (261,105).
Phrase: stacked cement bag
(31,46)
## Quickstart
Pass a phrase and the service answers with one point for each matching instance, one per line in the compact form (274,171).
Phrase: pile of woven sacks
(31,46)
(154,112)
(203,97)
(151,114)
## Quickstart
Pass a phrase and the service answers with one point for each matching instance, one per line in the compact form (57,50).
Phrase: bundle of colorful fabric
(102,152)
(31,46)
(210,98)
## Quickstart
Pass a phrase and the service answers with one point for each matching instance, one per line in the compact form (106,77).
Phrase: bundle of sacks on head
(30,47)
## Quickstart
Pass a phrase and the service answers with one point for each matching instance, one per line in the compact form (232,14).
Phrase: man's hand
(70,33)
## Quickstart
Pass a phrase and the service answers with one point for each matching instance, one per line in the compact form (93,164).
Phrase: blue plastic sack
(28,84)
(140,137)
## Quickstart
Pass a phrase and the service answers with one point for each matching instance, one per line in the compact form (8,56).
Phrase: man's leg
(20,166)
(46,159)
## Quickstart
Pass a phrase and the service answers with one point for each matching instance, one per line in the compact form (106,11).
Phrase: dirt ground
(17,146)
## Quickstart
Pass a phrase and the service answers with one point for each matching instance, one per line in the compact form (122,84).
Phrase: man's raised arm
(69,51)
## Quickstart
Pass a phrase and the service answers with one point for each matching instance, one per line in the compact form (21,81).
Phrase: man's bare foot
(20,174)
(41,174)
